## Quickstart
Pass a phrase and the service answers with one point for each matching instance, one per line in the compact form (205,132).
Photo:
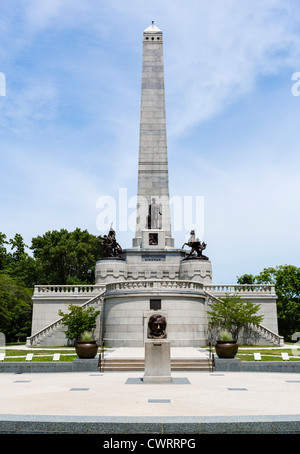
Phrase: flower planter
(86,349)
(226,349)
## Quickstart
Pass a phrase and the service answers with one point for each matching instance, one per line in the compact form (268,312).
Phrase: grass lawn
(245,353)
(267,355)
(267,352)
(39,358)
(45,354)
(39,355)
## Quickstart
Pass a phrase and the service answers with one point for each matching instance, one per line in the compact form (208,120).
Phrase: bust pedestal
(157,361)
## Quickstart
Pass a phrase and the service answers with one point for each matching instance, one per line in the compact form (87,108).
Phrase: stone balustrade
(93,290)
(250,289)
(154,285)
(67,290)
(267,333)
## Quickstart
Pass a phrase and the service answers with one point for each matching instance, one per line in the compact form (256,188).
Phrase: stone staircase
(52,335)
(138,365)
(253,334)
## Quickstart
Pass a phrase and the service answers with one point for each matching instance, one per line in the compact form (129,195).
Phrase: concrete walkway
(122,398)
(139,353)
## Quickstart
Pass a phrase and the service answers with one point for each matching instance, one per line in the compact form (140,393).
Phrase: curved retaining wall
(127,309)
(236,365)
(91,365)
(188,425)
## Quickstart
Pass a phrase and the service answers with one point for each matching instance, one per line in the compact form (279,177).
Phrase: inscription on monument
(153,258)
(155,305)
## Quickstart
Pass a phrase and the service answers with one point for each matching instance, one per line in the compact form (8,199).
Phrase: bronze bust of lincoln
(157,324)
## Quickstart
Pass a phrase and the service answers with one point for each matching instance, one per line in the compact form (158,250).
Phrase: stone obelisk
(153,224)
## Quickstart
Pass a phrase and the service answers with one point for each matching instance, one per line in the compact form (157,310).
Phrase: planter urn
(226,349)
(86,349)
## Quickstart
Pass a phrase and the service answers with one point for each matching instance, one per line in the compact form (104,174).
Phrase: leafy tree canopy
(15,309)
(286,279)
(57,257)
(66,257)
(233,313)
(78,320)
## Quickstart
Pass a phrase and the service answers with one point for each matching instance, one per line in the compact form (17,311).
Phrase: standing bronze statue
(154,216)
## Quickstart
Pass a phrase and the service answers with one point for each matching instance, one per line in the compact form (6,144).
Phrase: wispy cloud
(223,50)
(217,51)
(70,121)
(34,102)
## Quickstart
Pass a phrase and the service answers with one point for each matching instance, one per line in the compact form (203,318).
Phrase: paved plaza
(120,397)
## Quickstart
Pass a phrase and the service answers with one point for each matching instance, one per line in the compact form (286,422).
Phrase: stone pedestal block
(196,270)
(153,239)
(110,270)
(157,361)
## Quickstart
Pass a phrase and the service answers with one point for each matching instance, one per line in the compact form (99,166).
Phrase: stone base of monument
(157,361)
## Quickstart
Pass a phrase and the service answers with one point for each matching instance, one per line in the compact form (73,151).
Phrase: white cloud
(222,48)
(214,51)
(36,100)
(46,194)
(74,98)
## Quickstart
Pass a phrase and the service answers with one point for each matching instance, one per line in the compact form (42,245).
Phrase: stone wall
(127,305)
(127,310)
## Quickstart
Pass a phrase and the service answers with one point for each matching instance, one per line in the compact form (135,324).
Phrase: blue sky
(69,123)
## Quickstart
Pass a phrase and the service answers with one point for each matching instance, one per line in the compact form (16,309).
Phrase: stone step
(173,369)
(124,360)
(126,365)
(141,362)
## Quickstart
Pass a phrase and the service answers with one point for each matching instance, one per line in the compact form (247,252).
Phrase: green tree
(17,263)
(246,279)
(78,320)
(232,313)
(286,279)
(22,267)
(4,256)
(15,309)
(64,257)
(59,257)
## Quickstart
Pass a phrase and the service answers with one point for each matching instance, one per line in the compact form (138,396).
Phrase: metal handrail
(211,357)
(101,358)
